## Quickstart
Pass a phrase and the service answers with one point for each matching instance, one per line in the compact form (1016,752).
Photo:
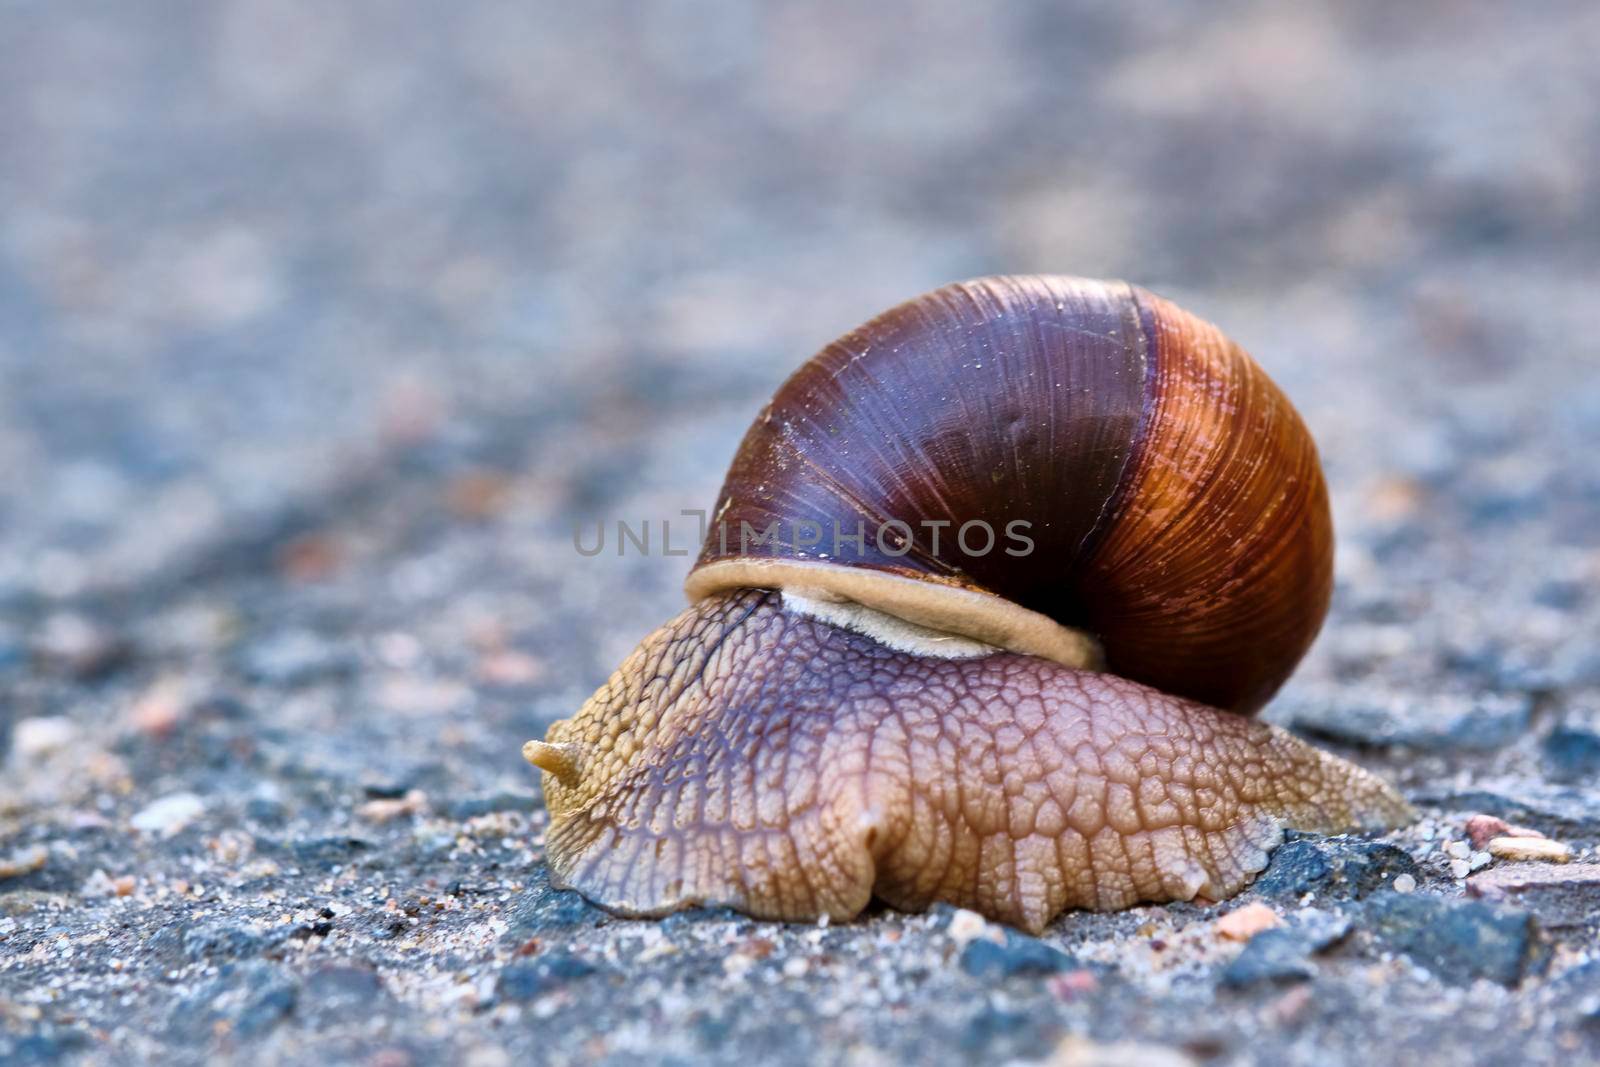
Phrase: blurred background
(321,325)
(270,265)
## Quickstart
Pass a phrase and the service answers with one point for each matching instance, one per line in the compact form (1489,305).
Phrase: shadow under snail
(1014,728)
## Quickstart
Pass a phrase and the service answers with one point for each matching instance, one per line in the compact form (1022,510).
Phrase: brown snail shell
(1175,501)
(1018,733)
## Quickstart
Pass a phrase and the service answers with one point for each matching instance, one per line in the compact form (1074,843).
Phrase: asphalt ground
(321,327)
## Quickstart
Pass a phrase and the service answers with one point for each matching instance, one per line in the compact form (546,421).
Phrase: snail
(989,595)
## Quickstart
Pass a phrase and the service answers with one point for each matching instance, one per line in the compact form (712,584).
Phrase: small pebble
(1459,869)
(510,669)
(1272,956)
(1529,848)
(161,709)
(1073,984)
(385,809)
(169,815)
(1405,884)
(1019,954)
(1248,921)
(97,884)
(1077,1051)
(966,925)
(78,647)
(23,862)
(1458,849)
(1291,1006)
(1483,828)
(41,735)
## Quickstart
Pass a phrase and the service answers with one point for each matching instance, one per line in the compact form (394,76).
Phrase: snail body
(1049,713)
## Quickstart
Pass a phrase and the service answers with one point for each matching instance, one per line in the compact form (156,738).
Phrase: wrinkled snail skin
(750,755)
(1019,734)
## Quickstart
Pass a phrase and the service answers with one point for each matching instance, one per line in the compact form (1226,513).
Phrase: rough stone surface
(1332,868)
(1572,755)
(1459,941)
(1469,722)
(1284,954)
(1273,956)
(322,325)
(529,981)
(1019,954)
(1560,896)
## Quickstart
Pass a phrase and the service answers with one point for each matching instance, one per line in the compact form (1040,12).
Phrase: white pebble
(1404,883)
(98,884)
(1460,868)
(169,814)
(26,861)
(966,925)
(1459,849)
(1529,848)
(41,735)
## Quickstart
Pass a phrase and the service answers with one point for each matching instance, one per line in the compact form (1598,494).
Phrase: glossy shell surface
(1174,504)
